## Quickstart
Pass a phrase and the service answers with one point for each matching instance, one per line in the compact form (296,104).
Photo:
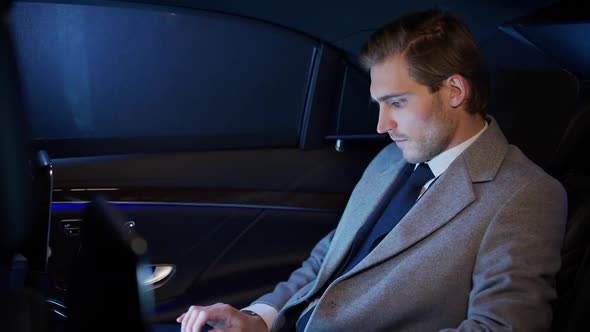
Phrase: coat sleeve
(307,273)
(301,277)
(513,278)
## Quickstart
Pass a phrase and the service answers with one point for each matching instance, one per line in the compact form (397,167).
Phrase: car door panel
(231,224)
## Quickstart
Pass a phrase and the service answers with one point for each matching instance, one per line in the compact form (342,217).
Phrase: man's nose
(385,122)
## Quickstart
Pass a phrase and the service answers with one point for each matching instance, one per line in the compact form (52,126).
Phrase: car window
(141,74)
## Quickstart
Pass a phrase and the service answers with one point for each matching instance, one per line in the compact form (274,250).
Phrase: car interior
(158,154)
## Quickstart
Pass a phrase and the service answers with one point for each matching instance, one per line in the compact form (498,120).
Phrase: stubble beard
(435,138)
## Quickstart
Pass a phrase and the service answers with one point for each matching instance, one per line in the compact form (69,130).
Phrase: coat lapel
(363,206)
(450,194)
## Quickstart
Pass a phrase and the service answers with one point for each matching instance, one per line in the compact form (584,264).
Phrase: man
(478,247)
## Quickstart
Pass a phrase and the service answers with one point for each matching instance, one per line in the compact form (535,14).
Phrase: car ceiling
(347,24)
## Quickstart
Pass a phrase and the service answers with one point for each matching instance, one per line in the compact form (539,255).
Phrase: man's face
(417,120)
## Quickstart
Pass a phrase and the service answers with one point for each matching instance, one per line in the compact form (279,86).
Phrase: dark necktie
(400,204)
(369,236)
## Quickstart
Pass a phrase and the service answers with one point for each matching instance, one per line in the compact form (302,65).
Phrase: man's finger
(219,316)
(191,320)
(179,319)
(187,317)
(200,321)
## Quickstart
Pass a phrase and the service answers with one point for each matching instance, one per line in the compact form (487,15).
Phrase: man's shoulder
(520,169)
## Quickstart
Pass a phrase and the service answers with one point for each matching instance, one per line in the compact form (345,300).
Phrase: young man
(450,227)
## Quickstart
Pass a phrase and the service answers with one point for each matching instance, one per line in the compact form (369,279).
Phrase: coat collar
(484,157)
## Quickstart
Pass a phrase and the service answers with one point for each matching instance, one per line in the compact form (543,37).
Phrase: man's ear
(458,90)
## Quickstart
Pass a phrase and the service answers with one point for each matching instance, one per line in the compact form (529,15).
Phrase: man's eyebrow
(390,96)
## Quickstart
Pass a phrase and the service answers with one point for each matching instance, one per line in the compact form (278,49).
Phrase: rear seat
(570,166)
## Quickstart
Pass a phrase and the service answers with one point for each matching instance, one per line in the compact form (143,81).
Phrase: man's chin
(412,158)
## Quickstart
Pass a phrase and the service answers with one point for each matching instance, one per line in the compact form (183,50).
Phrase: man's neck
(442,161)
(469,125)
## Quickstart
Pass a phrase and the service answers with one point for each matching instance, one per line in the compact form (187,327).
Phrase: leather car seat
(573,280)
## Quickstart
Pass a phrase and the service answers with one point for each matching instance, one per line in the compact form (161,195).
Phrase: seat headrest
(570,155)
(529,122)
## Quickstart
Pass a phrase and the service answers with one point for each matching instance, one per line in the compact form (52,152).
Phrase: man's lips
(398,139)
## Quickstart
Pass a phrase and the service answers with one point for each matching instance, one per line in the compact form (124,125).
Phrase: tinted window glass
(129,72)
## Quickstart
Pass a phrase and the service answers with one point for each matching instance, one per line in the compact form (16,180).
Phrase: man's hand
(222,317)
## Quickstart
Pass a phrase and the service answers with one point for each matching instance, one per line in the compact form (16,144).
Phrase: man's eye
(397,103)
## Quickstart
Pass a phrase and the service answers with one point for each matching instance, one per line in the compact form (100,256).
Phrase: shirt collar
(441,162)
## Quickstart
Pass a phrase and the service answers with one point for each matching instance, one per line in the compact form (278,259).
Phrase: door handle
(159,276)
